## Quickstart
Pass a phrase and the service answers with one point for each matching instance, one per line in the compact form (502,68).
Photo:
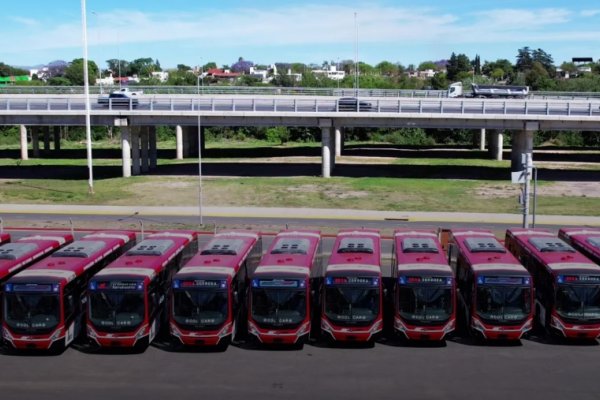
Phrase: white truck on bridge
(489,91)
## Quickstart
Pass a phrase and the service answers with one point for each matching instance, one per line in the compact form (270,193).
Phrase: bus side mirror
(385,292)
(236,297)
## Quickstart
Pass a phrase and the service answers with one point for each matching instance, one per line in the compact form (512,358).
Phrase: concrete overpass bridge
(190,114)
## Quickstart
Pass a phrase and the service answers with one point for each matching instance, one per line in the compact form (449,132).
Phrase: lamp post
(356,68)
(86,85)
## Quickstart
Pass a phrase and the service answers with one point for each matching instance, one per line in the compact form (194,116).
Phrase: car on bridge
(118,99)
(352,104)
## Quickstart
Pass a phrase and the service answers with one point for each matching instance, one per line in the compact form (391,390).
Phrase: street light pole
(86,85)
(356,68)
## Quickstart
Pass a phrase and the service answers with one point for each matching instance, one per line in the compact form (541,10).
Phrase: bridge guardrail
(366,107)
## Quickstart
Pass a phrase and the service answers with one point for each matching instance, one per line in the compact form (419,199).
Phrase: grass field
(374,193)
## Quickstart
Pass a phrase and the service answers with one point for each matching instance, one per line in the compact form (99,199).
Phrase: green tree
(425,65)
(459,66)
(524,60)
(74,72)
(538,78)
(545,60)
(439,81)
(386,68)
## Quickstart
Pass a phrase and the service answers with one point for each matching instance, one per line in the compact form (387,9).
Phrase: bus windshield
(353,305)
(425,304)
(278,307)
(197,308)
(503,303)
(578,302)
(32,313)
(115,311)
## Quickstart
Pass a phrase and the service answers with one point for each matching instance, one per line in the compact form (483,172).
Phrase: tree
(439,81)
(537,77)
(118,67)
(7,70)
(74,72)
(386,68)
(458,67)
(242,66)
(498,70)
(143,67)
(524,60)
(545,60)
(183,68)
(209,65)
(476,63)
(425,65)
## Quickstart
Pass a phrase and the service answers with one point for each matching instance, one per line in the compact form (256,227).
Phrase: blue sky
(311,31)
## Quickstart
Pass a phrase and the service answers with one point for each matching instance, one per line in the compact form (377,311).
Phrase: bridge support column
(46,130)
(192,132)
(56,133)
(23,133)
(325,153)
(152,146)
(135,150)
(179,142)
(35,141)
(338,141)
(496,145)
(144,143)
(186,141)
(332,143)
(482,139)
(522,144)
(202,139)
(126,150)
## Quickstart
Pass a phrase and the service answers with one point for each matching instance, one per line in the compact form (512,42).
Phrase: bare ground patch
(557,189)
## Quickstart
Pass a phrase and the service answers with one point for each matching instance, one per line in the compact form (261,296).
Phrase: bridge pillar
(24,152)
(192,133)
(326,148)
(482,139)
(496,145)
(338,141)
(35,141)
(144,143)
(46,130)
(56,133)
(152,146)
(332,143)
(186,141)
(202,139)
(179,142)
(135,150)
(522,143)
(126,150)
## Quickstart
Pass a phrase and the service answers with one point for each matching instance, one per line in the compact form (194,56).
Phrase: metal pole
(199,165)
(534,196)
(86,84)
(356,69)
(526,191)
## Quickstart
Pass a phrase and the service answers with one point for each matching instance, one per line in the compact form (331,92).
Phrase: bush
(278,134)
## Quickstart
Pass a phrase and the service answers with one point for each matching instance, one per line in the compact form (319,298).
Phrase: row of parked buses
(118,294)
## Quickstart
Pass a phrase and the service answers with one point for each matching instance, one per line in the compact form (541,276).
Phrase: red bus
(44,305)
(279,300)
(586,240)
(4,238)
(424,286)
(353,291)
(14,257)
(495,291)
(567,283)
(207,298)
(127,299)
